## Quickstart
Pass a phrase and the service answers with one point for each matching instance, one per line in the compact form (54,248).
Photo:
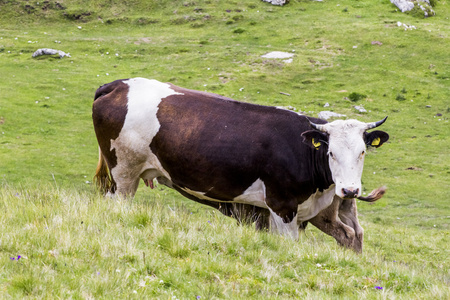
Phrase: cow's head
(346,141)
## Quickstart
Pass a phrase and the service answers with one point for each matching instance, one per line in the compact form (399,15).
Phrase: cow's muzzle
(348,194)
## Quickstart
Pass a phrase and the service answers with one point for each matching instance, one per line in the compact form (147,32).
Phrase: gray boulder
(277,2)
(416,7)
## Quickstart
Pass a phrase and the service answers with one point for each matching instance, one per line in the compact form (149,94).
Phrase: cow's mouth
(374,195)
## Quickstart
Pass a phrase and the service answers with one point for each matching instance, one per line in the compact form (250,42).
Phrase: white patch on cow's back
(132,146)
(315,204)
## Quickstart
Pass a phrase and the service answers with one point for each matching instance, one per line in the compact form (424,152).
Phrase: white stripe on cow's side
(315,204)
(254,194)
(199,195)
(132,146)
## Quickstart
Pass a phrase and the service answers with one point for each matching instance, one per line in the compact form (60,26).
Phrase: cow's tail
(375,195)
(102,176)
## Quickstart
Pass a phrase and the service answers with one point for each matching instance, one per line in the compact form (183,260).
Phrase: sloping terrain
(346,54)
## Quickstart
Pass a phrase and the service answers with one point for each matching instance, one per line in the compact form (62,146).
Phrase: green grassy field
(75,244)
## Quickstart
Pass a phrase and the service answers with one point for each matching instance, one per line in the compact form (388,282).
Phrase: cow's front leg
(329,222)
(348,214)
(284,227)
(283,218)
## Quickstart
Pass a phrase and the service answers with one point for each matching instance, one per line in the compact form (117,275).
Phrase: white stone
(325,115)
(278,54)
(403,5)
(408,5)
(360,109)
(277,2)
(47,51)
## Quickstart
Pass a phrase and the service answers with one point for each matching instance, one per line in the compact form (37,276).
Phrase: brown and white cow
(276,164)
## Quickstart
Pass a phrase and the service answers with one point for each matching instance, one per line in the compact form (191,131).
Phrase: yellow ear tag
(376,141)
(316,145)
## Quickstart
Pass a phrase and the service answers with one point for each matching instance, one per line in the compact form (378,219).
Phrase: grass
(76,244)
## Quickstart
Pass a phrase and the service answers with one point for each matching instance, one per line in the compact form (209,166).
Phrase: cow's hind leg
(329,222)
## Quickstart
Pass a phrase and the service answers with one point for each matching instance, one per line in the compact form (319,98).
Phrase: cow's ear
(375,138)
(315,139)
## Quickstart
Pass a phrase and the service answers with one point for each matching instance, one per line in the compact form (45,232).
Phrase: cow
(275,166)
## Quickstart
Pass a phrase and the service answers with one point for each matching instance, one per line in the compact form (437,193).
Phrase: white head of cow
(347,142)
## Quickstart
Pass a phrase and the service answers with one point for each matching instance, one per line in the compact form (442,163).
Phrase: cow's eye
(331,155)
(362,154)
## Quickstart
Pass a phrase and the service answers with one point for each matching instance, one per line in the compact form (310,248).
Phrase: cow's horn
(317,126)
(376,124)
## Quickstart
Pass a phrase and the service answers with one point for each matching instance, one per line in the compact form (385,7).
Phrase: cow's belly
(254,195)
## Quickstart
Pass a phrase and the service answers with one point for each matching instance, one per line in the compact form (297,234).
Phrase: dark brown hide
(220,147)
(108,113)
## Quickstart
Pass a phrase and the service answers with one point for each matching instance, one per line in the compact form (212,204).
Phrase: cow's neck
(321,169)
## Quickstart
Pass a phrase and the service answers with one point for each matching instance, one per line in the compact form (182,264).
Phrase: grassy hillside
(77,245)
(343,49)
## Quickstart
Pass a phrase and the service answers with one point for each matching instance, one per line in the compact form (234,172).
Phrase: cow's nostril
(349,193)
